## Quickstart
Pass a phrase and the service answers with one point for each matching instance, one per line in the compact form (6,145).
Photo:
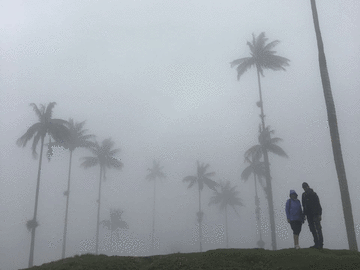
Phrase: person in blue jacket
(295,216)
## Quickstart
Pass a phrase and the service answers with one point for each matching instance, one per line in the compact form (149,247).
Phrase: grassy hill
(220,259)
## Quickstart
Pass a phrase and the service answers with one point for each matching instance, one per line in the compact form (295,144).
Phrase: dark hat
(305,185)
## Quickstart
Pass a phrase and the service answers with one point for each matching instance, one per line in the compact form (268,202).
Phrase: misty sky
(155,76)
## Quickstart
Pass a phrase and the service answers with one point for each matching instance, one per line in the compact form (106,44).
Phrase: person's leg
(296,240)
(313,230)
(319,235)
(292,224)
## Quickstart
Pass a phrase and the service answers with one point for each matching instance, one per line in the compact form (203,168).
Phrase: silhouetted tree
(115,223)
(104,157)
(334,134)
(154,173)
(56,128)
(227,196)
(257,169)
(266,144)
(78,138)
(263,57)
(201,178)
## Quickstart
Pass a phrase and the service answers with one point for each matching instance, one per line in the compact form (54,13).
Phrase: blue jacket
(293,209)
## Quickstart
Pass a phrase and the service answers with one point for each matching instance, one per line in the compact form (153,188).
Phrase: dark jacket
(311,203)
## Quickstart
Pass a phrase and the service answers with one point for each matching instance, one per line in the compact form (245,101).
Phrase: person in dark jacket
(295,216)
(313,211)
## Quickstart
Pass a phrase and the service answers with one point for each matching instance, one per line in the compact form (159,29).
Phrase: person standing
(294,215)
(313,212)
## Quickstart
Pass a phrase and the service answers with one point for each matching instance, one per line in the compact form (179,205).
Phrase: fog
(155,77)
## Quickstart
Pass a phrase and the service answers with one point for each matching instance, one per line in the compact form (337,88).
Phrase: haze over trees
(104,156)
(263,57)
(176,83)
(56,128)
(76,139)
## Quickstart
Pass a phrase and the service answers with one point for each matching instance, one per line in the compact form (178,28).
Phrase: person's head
(305,186)
(293,194)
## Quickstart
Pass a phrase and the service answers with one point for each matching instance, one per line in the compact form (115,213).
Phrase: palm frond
(114,152)
(275,149)
(260,41)
(253,153)
(244,66)
(89,162)
(49,108)
(22,141)
(275,140)
(115,163)
(271,45)
(191,179)
(210,183)
(37,111)
(274,62)
(246,173)
(209,174)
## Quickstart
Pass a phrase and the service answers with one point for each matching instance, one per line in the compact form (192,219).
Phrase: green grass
(220,259)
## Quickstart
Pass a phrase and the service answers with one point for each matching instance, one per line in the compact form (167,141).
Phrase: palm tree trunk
(257,209)
(226,228)
(267,174)
(67,208)
(153,228)
(334,134)
(111,241)
(98,213)
(200,222)
(32,245)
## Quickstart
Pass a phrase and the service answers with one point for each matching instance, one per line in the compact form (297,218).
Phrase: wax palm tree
(115,223)
(263,57)
(227,196)
(104,157)
(78,138)
(56,128)
(201,178)
(155,173)
(334,134)
(266,144)
(257,169)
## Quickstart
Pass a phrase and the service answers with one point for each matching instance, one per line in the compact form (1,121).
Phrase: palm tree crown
(266,142)
(77,138)
(103,156)
(228,196)
(155,172)
(56,128)
(262,57)
(202,177)
(115,222)
(256,167)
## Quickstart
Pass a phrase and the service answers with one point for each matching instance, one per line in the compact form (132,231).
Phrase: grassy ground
(220,259)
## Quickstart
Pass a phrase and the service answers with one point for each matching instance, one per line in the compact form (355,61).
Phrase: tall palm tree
(263,57)
(104,157)
(228,196)
(201,178)
(256,168)
(56,128)
(114,223)
(154,173)
(266,144)
(78,138)
(334,134)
